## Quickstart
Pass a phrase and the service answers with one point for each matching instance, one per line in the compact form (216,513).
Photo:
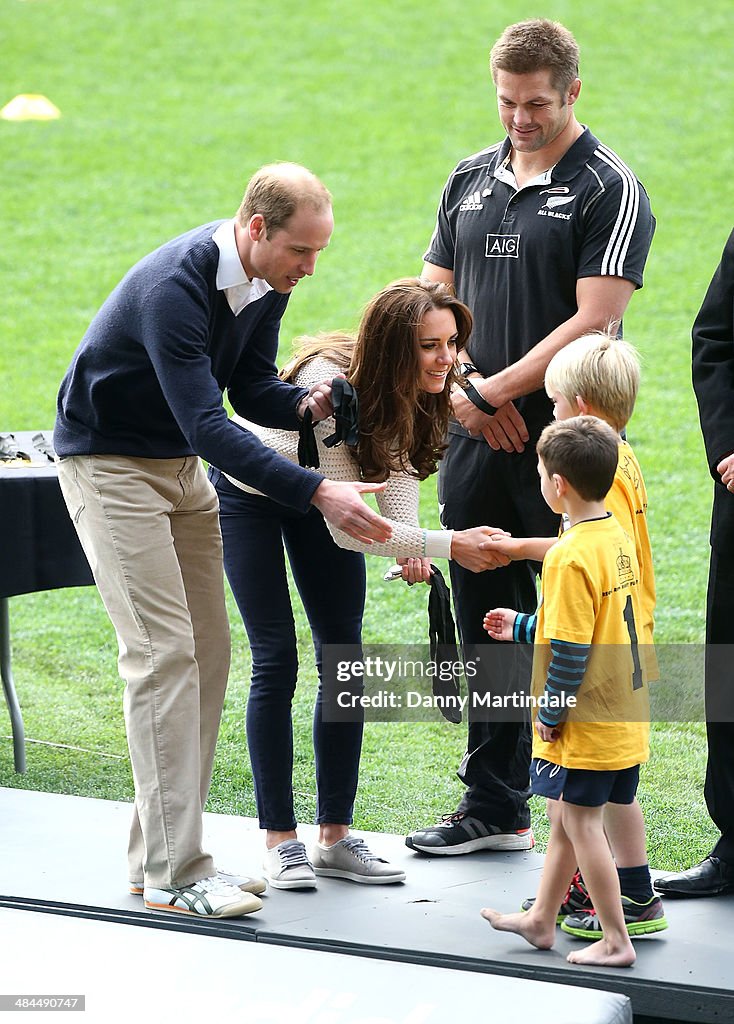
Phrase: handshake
(484,547)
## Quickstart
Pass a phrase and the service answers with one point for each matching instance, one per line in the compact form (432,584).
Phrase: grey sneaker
(209,897)
(287,866)
(352,859)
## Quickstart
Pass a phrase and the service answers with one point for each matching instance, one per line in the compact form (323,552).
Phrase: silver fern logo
(553,201)
(550,209)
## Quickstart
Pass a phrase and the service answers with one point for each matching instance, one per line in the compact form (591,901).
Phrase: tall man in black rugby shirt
(545,236)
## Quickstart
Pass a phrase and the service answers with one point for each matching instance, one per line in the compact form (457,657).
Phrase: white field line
(68,746)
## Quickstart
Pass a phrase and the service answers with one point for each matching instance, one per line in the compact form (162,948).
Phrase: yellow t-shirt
(627,501)
(590,594)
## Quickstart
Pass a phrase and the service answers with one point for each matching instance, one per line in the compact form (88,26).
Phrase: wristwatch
(466,368)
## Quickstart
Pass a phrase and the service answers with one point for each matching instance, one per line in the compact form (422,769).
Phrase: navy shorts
(583,786)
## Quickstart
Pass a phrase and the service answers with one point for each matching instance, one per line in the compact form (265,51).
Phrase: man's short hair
(277,190)
(534,45)
(601,369)
(584,451)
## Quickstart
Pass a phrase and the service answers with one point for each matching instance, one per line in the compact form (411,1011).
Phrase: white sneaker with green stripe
(254,885)
(209,897)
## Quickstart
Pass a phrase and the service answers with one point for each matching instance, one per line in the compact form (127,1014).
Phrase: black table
(41,551)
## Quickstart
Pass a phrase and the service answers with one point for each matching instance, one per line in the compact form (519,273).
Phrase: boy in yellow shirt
(592,734)
(599,375)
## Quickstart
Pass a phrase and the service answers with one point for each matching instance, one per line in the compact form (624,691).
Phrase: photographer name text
(415,699)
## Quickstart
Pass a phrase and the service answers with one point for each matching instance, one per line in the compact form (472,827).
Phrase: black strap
(477,398)
(346,414)
(308,450)
(346,424)
(442,639)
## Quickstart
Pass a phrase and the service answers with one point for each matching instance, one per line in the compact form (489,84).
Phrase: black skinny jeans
(331,583)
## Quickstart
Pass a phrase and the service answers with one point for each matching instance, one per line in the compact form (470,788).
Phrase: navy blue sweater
(148,376)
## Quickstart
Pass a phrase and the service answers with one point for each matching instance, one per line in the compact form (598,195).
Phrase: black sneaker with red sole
(577,900)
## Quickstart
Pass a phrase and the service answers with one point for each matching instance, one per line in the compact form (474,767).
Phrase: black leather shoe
(712,877)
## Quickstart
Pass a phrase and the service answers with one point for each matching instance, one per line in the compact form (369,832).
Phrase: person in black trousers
(713,382)
(544,235)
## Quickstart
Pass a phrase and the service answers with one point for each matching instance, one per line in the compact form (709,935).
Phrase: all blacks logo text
(503,246)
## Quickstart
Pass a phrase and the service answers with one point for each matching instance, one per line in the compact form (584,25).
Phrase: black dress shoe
(712,877)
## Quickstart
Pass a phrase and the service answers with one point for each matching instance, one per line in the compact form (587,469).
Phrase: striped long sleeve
(523,630)
(565,675)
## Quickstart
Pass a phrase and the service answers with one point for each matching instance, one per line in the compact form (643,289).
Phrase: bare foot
(539,935)
(601,954)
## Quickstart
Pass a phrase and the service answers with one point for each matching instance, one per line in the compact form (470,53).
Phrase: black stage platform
(66,856)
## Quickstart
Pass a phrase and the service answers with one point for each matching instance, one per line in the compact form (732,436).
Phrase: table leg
(16,718)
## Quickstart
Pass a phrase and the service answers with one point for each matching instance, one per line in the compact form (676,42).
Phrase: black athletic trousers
(480,487)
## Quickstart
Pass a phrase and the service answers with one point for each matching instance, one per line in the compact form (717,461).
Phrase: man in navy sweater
(140,404)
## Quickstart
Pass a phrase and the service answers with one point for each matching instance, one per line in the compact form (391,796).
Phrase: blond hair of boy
(600,370)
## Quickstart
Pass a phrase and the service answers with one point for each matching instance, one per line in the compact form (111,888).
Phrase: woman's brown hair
(401,427)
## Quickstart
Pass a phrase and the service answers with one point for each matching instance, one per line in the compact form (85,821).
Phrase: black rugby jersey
(516,254)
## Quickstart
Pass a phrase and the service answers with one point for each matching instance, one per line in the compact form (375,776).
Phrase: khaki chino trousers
(150,531)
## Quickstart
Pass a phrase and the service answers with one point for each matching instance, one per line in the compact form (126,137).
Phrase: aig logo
(507,246)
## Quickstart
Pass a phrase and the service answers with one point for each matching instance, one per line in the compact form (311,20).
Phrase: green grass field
(166,111)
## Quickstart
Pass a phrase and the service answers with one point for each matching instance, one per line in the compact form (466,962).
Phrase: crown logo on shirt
(624,568)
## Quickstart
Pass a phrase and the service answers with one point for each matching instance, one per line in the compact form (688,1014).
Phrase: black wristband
(466,368)
(478,399)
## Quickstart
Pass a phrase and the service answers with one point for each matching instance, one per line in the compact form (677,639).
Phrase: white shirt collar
(505,173)
(231,277)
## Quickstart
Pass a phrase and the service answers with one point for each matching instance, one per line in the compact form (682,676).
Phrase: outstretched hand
(341,503)
(499,623)
(502,544)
